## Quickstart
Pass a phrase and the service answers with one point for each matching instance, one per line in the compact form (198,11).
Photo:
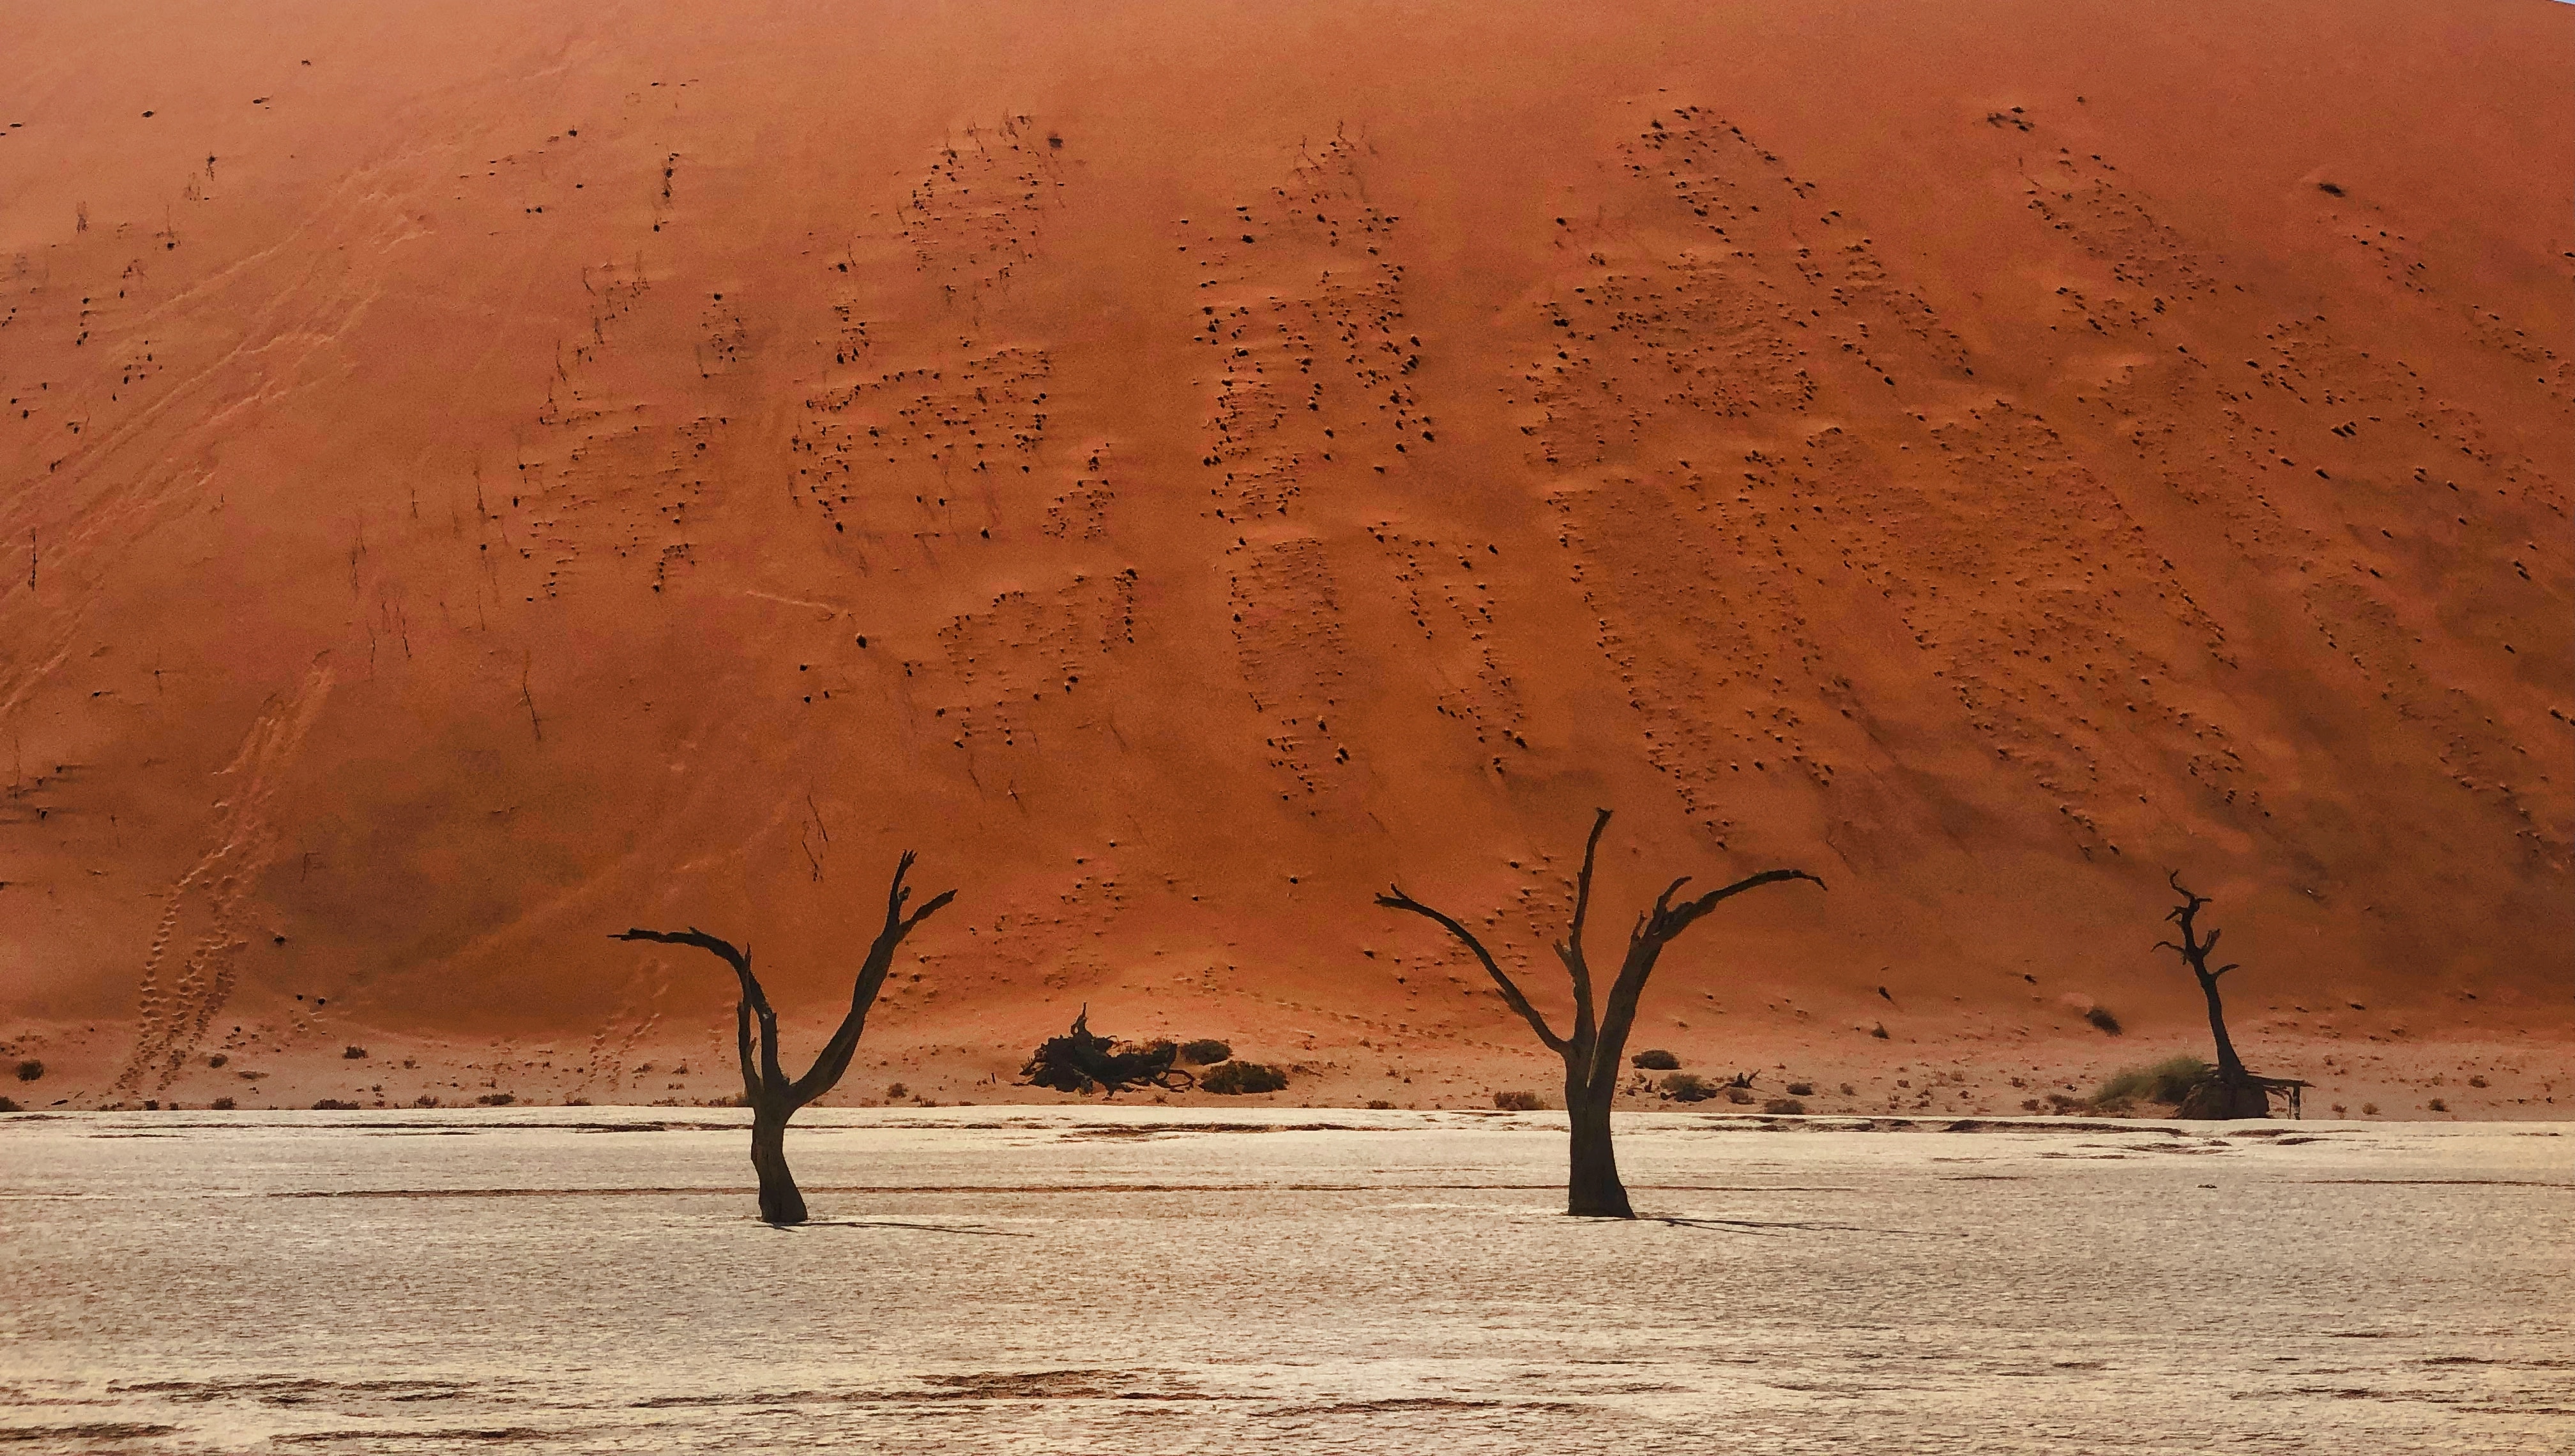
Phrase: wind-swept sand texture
(474,481)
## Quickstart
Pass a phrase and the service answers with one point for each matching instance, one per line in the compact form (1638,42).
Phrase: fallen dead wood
(1081,1062)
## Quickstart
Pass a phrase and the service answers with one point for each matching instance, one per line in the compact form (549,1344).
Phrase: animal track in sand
(954,424)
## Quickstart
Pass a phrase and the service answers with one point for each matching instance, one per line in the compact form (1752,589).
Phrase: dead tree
(765,1089)
(1083,1061)
(2233,1092)
(1592,1050)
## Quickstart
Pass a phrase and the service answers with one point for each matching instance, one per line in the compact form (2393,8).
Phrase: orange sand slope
(474,483)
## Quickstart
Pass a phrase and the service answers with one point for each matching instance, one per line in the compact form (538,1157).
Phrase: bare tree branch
(753,999)
(1577,963)
(1682,916)
(1396,899)
(1655,930)
(834,1060)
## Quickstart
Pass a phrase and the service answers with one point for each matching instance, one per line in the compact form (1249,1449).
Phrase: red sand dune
(478,479)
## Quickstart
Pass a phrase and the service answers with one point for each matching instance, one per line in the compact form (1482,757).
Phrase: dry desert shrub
(1784,1106)
(30,1070)
(1688,1087)
(353,1053)
(1205,1052)
(1518,1102)
(1655,1059)
(2167,1081)
(1235,1078)
(2100,1016)
(221,1105)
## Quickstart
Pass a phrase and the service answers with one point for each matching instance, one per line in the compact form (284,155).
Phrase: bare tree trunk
(2235,1092)
(1592,1050)
(2230,1067)
(765,1089)
(1591,1187)
(780,1201)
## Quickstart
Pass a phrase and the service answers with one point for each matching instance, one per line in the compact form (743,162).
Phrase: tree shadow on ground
(1765,1226)
(899,1223)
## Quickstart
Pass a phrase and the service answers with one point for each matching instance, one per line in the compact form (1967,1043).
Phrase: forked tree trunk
(1591,1187)
(1593,1049)
(766,1088)
(779,1201)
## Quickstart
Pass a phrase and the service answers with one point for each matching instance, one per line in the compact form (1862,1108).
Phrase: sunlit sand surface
(1145,1279)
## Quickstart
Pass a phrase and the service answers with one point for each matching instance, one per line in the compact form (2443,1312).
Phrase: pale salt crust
(1176,1280)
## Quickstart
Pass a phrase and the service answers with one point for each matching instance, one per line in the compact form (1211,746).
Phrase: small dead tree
(2232,1093)
(1593,1049)
(766,1088)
